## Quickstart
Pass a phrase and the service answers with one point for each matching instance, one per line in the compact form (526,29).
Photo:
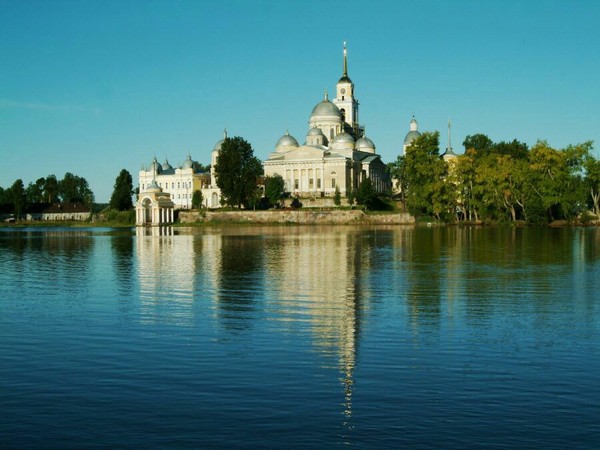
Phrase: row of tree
(71,188)
(498,181)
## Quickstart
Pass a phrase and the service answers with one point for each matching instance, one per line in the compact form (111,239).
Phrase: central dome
(325,109)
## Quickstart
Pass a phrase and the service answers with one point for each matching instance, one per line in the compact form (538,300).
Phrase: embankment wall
(300,217)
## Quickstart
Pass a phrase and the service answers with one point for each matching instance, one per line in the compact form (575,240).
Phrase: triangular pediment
(304,152)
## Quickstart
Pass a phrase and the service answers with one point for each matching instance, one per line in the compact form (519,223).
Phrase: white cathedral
(336,154)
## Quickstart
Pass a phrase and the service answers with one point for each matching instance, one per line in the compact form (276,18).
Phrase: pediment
(304,152)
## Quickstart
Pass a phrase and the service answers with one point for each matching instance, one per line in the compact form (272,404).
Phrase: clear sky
(92,87)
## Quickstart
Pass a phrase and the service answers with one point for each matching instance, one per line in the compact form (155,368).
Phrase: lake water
(300,337)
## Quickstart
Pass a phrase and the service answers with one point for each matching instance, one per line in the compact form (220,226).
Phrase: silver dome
(155,166)
(411,136)
(188,163)
(343,138)
(325,109)
(217,146)
(365,144)
(315,131)
(166,165)
(287,140)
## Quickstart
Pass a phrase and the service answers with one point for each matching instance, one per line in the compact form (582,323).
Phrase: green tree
(592,181)
(51,188)
(556,178)
(120,199)
(237,171)
(479,142)
(350,196)
(274,187)
(35,191)
(18,197)
(397,171)
(425,175)
(337,196)
(197,199)
(365,194)
(73,188)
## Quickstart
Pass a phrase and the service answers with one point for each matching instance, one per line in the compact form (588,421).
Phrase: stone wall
(300,216)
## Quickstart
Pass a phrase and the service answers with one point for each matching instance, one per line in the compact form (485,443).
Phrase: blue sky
(92,87)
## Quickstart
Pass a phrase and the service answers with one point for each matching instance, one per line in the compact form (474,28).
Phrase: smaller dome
(188,163)
(411,136)
(217,146)
(166,165)
(286,140)
(344,79)
(365,144)
(343,138)
(315,131)
(155,166)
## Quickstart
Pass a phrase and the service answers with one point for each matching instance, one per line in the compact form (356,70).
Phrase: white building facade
(181,182)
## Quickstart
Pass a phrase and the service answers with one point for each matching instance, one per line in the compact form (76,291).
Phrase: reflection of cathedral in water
(320,274)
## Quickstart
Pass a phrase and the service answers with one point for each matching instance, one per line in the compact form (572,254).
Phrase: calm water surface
(300,337)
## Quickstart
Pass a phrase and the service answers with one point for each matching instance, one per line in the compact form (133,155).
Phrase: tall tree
(197,199)
(237,171)
(274,187)
(51,188)
(19,198)
(397,171)
(556,178)
(35,191)
(123,189)
(365,194)
(73,188)
(337,196)
(592,180)
(425,174)
(479,142)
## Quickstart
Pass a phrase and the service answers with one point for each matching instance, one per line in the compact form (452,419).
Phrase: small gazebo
(154,207)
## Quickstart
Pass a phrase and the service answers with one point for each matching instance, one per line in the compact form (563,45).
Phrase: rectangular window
(178,185)
(295,184)
(333,183)
(318,183)
(310,183)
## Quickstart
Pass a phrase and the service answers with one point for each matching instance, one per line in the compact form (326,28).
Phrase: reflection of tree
(423,284)
(58,257)
(240,279)
(122,249)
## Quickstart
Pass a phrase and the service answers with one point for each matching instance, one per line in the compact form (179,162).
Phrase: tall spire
(345,61)
(449,152)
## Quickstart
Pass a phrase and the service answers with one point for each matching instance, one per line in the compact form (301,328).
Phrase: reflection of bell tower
(345,100)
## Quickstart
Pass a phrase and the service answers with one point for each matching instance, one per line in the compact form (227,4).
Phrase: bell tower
(345,100)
